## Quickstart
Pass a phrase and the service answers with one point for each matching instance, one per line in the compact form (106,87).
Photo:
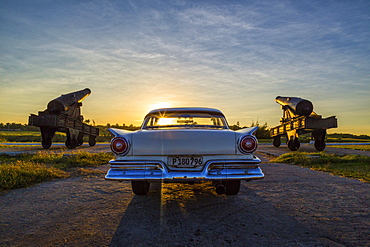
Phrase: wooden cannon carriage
(299,118)
(63,114)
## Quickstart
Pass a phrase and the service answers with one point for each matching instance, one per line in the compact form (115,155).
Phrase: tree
(263,131)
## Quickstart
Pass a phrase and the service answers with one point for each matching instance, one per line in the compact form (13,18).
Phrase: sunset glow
(159,105)
(236,56)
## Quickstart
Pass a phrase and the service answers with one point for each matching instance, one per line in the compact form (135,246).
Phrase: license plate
(185,161)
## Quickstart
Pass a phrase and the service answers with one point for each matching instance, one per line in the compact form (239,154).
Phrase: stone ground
(292,206)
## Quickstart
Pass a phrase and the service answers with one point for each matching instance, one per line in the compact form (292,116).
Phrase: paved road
(292,206)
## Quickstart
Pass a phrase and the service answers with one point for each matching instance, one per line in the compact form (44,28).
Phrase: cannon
(63,114)
(299,118)
(294,105)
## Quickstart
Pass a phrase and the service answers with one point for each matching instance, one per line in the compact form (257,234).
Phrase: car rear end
(184,156)
(187,153)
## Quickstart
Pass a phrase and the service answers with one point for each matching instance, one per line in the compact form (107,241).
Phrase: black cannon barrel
(65,101)
(299,106)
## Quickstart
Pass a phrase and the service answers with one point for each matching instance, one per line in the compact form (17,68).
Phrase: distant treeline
(26,127)
(17,126)
(263,131)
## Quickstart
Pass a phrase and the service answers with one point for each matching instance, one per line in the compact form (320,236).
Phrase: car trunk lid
(183,142)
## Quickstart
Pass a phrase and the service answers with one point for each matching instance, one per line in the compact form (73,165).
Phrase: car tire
(232,187)
(140,187)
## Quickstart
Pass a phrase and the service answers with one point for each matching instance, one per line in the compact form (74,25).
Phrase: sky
(234,55)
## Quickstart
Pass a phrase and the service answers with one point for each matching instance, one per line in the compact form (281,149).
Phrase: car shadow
(194,215)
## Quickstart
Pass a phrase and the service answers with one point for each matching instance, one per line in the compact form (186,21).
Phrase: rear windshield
(185,120)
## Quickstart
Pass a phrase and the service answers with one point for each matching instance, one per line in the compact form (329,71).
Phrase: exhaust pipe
(220,189)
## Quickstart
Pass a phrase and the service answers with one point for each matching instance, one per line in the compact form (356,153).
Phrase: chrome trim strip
(156,170)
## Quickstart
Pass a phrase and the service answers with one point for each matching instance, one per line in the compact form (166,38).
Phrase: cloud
(238,55)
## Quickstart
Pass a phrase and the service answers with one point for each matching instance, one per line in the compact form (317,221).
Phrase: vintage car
(185,145)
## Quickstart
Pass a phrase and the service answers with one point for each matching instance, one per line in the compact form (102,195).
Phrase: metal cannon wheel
(293,144)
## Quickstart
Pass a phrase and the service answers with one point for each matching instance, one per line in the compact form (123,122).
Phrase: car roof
(185,109)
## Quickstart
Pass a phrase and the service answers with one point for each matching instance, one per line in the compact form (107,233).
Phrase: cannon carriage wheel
(292,140)
(277,141)
(71,143)
(92,140)
(293,144)
(47,135)
(319,138)
(46,144)
(72,138)
(80,139)
(320,145)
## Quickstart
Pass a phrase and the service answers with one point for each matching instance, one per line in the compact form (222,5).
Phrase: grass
(28,169)
(28,136)
(18,145)
(19,133)
(353,147)
(35,136)
(20,174)
(330,139)
(352,166)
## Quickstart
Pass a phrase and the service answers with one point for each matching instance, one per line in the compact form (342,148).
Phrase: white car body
(184,151)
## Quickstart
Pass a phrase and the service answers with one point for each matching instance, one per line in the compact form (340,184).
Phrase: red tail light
(247,144)
(119,145)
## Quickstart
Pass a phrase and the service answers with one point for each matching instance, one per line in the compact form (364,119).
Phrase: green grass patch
(20,133)
(346,139)
(16,145)
(35,136)
(28,136)
(28,169)
(353,166)
(20,174)
(353,147)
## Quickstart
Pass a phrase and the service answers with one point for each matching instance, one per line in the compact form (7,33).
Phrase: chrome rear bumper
(157,171)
